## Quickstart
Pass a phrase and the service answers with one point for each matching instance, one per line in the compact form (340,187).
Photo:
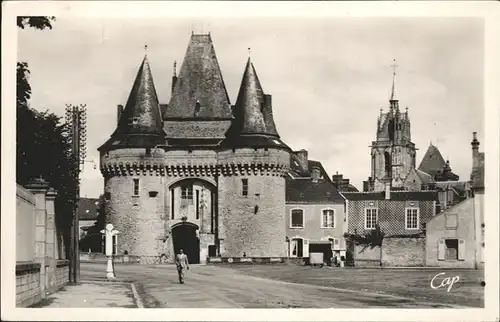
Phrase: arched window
(388,165)
(297,218)
(328,220)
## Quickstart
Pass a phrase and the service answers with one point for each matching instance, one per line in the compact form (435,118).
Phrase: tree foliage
(37,22)
(43,147)
(372,238)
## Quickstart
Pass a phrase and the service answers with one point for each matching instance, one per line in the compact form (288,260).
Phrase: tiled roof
(302,189)
(87,208)
(432,161)
(200,80)
(459,186)
(140,122)
(395,195)
(425,177)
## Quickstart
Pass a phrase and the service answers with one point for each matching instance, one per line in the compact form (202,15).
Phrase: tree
(43,148)
(93,238)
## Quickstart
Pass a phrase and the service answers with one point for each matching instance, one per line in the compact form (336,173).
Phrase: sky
(329,77)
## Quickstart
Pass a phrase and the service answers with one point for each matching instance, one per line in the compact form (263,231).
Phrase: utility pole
(76,120)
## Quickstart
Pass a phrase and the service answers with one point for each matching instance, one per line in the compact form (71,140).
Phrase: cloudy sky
(329,77)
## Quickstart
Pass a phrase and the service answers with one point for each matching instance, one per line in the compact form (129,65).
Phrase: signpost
(110,244)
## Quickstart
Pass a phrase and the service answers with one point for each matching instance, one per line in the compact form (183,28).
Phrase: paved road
(221,287)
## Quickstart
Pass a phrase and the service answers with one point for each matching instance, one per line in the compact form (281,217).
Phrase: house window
(328,219)
(451,221)
(412,219)
(136,187)
(371,218)
(244,187)
(297,218)
(187,192)
(297,247)
(197,204)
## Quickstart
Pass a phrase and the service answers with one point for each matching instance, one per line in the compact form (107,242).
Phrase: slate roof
(395,195)
(432,162)
(302,189)
(200,80)
(140,123)
(253,124)
(425,177)
(88,208)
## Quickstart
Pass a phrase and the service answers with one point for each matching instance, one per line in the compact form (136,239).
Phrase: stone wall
(28,291)
(366,256)
(25,225)
(403,252)
(38,267)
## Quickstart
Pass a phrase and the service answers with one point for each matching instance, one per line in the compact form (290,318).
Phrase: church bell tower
(392,153)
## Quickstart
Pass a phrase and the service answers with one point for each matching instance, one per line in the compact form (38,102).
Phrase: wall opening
(185,238)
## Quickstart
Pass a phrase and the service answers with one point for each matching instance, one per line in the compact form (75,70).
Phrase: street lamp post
(110,244)
(76,120)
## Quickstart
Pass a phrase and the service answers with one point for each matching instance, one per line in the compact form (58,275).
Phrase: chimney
(475,151)
(119,113)
(316,174)
(302,155)
(174,77)
(388,190)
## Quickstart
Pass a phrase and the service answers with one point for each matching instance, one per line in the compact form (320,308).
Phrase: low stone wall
(131,259)
(62,273)
(403,251)
(28,291)
(247,260)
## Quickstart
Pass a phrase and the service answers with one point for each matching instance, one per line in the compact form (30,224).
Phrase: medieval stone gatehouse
(197,173)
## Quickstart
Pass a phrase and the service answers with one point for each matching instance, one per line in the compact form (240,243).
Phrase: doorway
(185,238)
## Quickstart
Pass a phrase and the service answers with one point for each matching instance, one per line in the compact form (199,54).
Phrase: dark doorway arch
(185,237)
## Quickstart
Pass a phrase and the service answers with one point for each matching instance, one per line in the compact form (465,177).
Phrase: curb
(137,298)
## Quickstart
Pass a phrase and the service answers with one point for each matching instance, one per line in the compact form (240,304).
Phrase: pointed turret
(199,80)
(140,123)
(253,115)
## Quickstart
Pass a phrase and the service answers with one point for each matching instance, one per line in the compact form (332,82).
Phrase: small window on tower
(136,187)
(244,183)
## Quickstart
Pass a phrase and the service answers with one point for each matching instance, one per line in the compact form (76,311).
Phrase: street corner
(93,294)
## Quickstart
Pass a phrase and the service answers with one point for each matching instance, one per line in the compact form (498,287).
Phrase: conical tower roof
(140,124)
(199,91)
(253,123)
(433,161)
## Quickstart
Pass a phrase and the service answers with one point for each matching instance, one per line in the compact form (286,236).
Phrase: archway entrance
(185,238)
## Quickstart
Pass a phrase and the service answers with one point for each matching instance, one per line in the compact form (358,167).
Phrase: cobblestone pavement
(222,287)
(90,295)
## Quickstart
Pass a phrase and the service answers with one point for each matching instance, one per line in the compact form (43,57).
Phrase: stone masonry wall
(28,290)
(139,219)
(258,233)
(403,252)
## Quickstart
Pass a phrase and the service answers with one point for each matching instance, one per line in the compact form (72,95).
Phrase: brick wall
(62,273)
(403,252)
(28,290)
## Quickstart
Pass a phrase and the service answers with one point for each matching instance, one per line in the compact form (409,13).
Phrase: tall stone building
(392,153)
(197,173)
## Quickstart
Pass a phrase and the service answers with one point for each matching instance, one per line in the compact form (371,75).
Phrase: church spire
(393,100)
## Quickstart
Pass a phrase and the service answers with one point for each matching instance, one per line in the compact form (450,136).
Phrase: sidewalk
(93,294)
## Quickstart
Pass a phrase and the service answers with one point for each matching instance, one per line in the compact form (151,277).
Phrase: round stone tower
(132,163)
(253,163)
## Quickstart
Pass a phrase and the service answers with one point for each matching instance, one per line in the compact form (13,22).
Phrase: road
(209,286)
